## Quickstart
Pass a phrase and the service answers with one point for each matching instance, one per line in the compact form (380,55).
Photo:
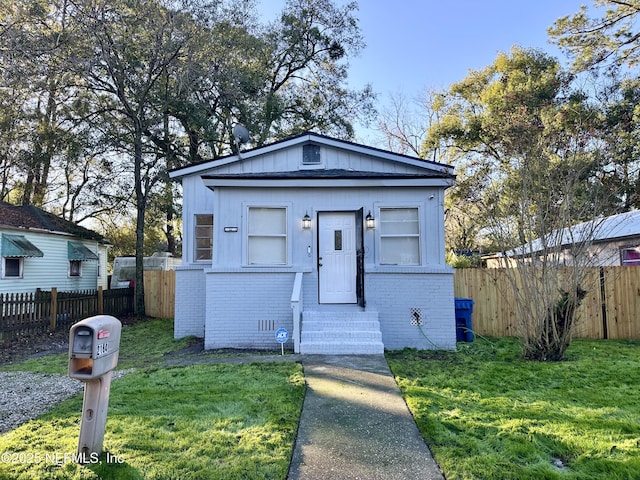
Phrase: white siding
(103,277)
(197,199)
(230,211)
(290,159)
(51,270)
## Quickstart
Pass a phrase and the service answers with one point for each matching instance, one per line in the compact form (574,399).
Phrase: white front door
(337,257)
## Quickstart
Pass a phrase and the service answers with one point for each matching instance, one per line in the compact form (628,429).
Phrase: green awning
(18,246)
(77,251)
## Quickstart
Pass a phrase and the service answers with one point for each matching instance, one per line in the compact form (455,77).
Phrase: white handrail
(297,305)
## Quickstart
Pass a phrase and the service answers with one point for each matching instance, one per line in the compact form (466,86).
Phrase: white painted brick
(189,303)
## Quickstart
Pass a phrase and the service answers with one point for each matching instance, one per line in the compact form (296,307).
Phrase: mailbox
(93,347)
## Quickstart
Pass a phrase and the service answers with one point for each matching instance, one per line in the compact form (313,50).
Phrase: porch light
(370,221)
(306,221)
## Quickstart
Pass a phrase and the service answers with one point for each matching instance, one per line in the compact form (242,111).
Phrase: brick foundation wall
(189,302)
(244,309)
(403,300)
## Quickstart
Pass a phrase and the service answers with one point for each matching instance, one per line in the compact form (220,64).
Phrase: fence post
(100,301)
(54,309)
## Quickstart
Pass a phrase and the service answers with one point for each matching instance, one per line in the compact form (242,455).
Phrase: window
(204,237)
(75,268)
(630,256)
(310,154)
(12,267)
(267,236)
(399,236)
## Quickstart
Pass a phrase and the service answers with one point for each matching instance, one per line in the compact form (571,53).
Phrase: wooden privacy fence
(159,293)
(611,308)
(48,311)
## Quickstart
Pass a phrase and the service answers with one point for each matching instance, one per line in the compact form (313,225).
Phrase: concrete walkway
(356,425)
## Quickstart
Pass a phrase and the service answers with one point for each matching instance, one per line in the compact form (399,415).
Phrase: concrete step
(341,348)
(341,333)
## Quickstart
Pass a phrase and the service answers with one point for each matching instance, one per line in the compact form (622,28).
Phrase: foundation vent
(266,325)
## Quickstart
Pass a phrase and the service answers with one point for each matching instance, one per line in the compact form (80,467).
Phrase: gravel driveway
(25,395)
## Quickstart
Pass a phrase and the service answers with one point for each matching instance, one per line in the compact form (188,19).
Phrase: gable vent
(311,154)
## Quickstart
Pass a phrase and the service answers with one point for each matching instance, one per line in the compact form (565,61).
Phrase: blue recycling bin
(464,328)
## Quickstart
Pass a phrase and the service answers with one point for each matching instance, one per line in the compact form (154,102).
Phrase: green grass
(194,422)
(487,414)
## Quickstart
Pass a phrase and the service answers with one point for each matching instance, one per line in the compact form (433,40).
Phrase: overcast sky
(413,44)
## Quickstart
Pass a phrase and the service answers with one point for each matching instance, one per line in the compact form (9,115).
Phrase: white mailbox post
(94,344)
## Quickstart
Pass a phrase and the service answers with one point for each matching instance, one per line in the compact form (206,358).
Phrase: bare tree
(529,136)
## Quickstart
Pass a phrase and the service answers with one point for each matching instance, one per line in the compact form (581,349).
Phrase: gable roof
(438,170)
(29,217)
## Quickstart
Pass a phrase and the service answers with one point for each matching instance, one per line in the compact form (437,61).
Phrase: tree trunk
(139,309)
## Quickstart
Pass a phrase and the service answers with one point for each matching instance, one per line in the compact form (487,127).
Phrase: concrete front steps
(341,333)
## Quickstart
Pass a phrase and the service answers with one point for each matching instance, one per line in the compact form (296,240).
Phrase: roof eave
(214,182)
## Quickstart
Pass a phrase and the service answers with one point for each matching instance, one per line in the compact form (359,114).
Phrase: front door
(337,257)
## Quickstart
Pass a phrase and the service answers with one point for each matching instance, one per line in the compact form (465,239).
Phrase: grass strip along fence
(48,311)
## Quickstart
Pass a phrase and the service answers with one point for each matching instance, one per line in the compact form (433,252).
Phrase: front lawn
(192,422)
(196,422)
(487,414)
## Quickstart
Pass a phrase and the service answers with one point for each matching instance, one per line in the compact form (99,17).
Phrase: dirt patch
(37,345)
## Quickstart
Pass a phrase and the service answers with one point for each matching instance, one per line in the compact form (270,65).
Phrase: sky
(413,45)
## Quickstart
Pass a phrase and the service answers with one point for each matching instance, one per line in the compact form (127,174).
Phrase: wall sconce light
(306,221)
(370,221)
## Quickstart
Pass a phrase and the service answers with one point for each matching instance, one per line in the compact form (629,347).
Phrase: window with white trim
(399,236)
(267,236)
(204,237)
(630,256)
(12,267)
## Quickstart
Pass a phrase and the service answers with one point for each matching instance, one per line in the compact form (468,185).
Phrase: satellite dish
(240,134)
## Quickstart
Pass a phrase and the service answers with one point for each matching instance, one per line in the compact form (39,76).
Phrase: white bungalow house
(340,244)
(41,251)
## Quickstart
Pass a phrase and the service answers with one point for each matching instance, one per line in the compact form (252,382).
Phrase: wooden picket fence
(611,308)
(48,311)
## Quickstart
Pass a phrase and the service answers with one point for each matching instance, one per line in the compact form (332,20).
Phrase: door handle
(319,261)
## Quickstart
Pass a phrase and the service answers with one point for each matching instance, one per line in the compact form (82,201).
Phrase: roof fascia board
(328,182)
(44,231)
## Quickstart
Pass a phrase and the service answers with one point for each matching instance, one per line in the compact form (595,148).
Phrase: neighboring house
(339,243)
(40,250)
(612,241)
